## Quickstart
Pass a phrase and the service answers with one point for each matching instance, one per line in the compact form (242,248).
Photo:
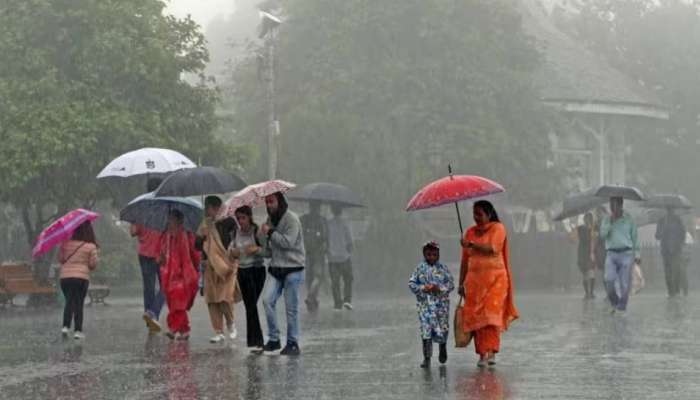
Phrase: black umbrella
(330,193)
(199,181)
(626,192)
(668,201)
(152,211)
(578,204)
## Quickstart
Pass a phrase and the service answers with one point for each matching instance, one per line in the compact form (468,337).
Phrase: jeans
(290,287)
(252,280)
(618,269)
(342,271)
(152,297)
(74,290)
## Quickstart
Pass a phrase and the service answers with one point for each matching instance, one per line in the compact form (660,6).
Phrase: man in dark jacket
(671,232)
(315,229)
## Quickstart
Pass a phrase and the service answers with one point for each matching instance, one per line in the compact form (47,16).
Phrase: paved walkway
(562,348)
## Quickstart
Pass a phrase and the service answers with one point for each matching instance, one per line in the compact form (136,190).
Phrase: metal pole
(272,125)
(459,215)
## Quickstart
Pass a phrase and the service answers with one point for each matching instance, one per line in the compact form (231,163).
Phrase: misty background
(548,98)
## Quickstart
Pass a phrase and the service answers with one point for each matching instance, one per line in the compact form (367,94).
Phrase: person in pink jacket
(78,257)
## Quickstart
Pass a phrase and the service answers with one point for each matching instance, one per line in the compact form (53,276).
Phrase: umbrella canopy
(626,192)
(654,215)
(330,193)
(61,230)
(253,195)
(152,211)
(199,181)
(668,201)
(146,161)
(578,204)
(453,189)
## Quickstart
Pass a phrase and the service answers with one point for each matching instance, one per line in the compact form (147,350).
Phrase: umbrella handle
(459,216)
(459,219)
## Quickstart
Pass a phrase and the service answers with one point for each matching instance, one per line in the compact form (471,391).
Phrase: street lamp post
(268,31)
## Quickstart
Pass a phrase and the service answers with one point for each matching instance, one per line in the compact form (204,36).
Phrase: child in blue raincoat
(432,283)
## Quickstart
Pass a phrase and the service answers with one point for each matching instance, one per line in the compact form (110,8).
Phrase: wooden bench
(18,279)
(97,294)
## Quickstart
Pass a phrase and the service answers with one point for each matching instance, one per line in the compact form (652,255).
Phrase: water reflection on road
(561,348)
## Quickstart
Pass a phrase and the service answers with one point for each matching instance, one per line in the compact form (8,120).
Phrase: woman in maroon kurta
(179,277)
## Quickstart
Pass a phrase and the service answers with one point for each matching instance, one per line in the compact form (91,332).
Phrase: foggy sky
(202,11)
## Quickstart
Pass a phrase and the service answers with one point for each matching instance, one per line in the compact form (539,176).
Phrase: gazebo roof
(573,74)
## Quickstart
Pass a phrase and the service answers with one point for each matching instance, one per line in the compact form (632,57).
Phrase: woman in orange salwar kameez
(178,275)
(487,282)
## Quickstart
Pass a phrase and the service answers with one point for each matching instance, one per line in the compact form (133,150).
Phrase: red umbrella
(453,189)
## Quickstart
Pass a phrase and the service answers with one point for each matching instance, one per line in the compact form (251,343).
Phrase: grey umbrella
(330,193)
(578,204)
(651,216)
(199,181)
(152,211)
(668,201)
(626,192)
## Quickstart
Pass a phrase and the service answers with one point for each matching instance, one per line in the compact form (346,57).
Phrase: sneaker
(291,349)
(271,346)
(218,338)
(338,308)
(65,331)
(171,335)
(232,332)
(183,336)
(482,363)
(78,335)
(151,323)
(492,360)
(347,306)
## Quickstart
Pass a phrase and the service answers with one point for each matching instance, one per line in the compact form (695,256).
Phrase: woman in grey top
(251,273)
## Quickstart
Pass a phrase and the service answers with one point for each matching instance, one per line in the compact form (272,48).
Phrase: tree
(82,81)
(369,92)
(658,44)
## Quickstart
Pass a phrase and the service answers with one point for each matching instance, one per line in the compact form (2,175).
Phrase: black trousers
(315,274)
(252,280)
(340,271)
(74,291)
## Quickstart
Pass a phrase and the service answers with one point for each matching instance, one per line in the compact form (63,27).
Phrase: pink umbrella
(253,196)
(61,230)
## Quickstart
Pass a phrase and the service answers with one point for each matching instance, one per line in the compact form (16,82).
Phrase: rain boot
(427,353)
(443,353)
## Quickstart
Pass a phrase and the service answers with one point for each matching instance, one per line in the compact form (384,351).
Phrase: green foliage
(382,95)
(365,88)
(82,81)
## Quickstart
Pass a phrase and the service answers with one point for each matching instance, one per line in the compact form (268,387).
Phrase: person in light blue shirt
(622,246)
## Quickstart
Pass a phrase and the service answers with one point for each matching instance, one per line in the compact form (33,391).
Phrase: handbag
(462,337)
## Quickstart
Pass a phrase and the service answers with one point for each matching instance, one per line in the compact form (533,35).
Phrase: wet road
(562,348)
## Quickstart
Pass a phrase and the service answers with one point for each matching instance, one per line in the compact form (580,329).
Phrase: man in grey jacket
(285,249)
